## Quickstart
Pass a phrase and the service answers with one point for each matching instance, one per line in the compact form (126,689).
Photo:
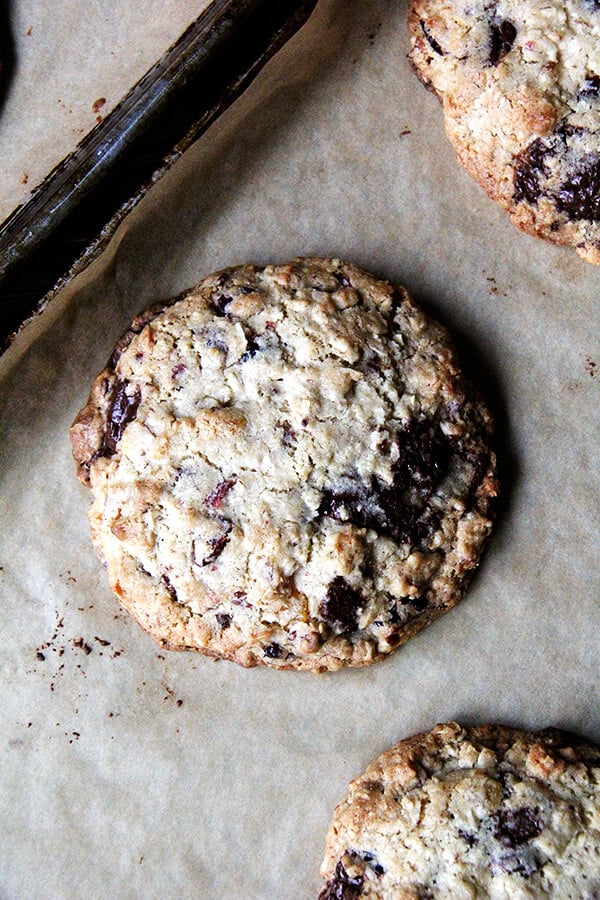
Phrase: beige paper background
(110,787)
(68,55)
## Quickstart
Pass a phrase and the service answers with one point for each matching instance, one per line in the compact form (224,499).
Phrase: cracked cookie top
(520,86)
(487,812)
(288,468)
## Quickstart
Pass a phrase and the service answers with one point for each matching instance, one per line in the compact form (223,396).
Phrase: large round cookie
(486,812)
(287,467)
(520,87)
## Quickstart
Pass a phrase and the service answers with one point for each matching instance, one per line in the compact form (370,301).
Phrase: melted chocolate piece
(424,455)
(530,165)
(341,606)
(123,410)
(342,886)
(431,40)
(502,38)
(579,196)
(513,827)
(398,510)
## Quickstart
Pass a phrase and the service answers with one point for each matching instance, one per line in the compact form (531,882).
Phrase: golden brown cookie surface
(288,468)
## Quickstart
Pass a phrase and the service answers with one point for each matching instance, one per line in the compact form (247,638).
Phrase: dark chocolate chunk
(223,619)
(218,545)
(122,410)
(220,302)
(341,606)
(590,89)
(424,455)
(253,346)
(502,38)
(431,40)
(513,827)
(344,282)
(419,603)
(530,165)
(579,196)
(170,589)
(273,651)
(342,886)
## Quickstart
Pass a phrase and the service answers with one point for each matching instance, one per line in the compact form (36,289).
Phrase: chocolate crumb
(431,40)
(513,827)
(273,651)
(342,886)
(503,36)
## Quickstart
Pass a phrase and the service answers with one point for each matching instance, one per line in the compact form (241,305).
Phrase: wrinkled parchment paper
(130,772)
(74,61)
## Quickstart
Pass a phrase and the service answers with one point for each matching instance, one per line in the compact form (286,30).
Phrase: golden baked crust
(520,88)
(288,468)
(485,811)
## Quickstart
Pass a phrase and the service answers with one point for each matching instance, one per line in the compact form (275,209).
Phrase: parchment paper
(74,61)
(129,772)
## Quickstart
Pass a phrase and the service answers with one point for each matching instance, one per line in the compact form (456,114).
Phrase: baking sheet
(127,771)
(73,62)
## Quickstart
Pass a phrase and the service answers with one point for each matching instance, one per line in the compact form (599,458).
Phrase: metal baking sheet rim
(300,13)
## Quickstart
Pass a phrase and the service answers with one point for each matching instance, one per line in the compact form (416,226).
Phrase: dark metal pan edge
(81,207)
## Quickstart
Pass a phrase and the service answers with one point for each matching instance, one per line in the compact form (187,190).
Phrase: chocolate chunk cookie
(288,468)
(470,812)
(520,86)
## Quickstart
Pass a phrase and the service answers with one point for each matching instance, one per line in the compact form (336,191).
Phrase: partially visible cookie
(288,468)
(475,812)
(520,87)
